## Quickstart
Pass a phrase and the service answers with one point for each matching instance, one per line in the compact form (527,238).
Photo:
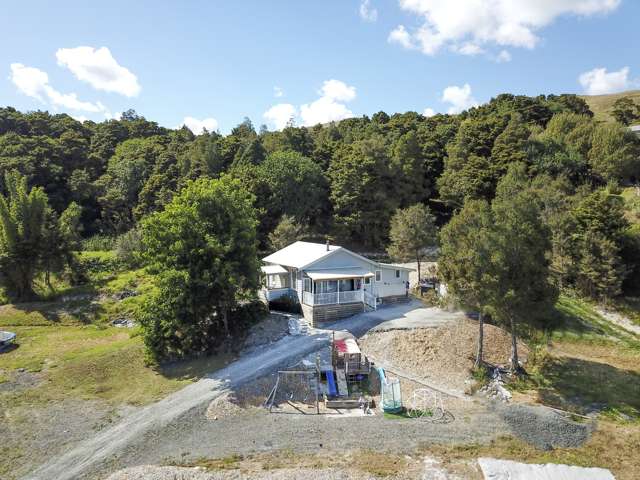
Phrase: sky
(210,64)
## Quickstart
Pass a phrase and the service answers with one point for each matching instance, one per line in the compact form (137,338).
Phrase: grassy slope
(601,105)
(71,345)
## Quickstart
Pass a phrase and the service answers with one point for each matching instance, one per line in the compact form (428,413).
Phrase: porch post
(338,290)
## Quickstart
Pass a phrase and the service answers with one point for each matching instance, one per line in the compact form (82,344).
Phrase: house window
(307,284)
(397,273)
(367,280)
(378,275)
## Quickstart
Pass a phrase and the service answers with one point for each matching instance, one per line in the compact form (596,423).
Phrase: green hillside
(601,105)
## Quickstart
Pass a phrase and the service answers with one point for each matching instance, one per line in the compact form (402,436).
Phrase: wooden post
(317,383)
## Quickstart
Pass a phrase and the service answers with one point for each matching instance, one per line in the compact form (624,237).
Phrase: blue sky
(222,60)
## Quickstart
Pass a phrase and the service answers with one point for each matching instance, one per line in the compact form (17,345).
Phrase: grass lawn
(586,364)
(74,351)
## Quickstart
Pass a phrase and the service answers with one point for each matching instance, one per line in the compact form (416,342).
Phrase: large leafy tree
(626,111)
(519,280)
(465,260)
(202,248)
(412,230)
(286,232)
(614,153)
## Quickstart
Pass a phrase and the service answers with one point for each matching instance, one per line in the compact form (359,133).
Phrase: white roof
(397,267)
(272,269)
(335,273)
(300,254)
(635,128)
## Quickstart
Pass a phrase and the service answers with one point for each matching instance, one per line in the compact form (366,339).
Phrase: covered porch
(276,282)
(338,286)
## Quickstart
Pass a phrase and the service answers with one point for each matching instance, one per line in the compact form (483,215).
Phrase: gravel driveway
(83,458)
(176,428)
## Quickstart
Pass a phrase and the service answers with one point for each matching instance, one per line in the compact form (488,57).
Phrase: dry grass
(378,464)
(601,105)
(613,446)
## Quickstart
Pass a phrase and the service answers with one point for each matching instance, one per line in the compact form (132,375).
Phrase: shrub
(128,245)
(99,242)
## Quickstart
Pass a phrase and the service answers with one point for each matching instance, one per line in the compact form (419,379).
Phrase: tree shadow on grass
(589,387)
(80,306)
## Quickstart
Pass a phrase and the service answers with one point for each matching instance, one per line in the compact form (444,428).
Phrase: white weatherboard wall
(389,285)
(341,259)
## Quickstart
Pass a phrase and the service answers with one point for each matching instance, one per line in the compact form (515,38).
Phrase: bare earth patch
(443,355)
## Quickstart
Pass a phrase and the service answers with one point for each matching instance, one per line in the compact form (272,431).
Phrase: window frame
(378,276)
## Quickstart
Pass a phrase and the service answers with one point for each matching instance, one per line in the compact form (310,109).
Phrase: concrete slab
(425,317)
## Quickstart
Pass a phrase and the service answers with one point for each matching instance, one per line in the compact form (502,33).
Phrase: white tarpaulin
(494,469)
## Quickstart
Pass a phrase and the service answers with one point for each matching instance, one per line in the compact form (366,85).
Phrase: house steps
(298,326)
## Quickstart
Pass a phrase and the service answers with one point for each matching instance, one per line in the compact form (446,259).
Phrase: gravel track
(81,459)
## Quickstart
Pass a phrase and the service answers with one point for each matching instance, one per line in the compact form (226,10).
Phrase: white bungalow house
(331,282)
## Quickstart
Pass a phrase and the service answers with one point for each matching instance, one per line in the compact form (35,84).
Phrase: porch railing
(333,298)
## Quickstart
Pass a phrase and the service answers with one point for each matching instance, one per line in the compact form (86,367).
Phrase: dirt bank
(443,355)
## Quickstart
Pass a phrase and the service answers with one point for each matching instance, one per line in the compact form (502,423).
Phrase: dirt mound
(444,355)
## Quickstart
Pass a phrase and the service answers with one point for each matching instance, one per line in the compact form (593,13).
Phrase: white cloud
(400,36)
(429,112)
(98,68)
(367,13)
(468,48)
(34,83)
(337,90)
(330,107)
(280,115)
(599,82)
(503,57)
(460,98)
(278,92)
(323,110)
(198,126)
(514,23)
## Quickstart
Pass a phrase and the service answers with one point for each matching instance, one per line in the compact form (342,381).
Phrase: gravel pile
(223,406)
(444,354)
(272,328)
(544,428)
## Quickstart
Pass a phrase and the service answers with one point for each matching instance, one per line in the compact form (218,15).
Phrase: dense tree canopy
(347,179)
(202,248)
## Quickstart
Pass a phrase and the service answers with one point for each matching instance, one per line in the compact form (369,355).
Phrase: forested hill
(345,179)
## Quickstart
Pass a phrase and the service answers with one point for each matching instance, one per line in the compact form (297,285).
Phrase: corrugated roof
(272,269)
(299,254)
(335,273)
